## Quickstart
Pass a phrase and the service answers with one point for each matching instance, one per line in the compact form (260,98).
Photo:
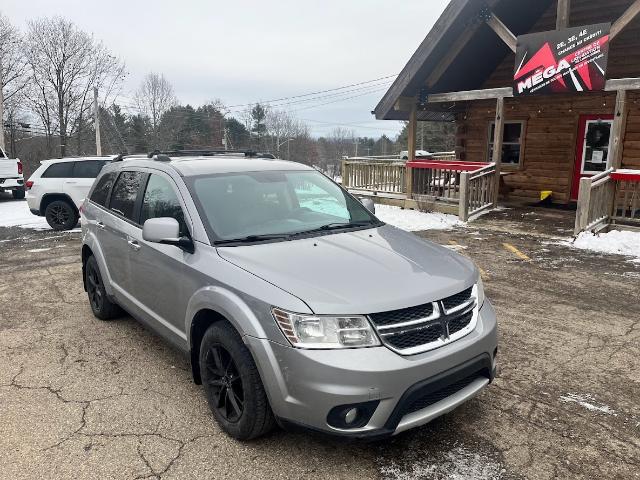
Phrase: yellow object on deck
(545,194)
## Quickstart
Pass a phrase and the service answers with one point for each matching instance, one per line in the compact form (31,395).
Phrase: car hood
(360,272)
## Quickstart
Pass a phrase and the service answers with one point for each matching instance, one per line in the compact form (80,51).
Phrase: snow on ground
(15,213)
(459,463)
(614,242)
(414,221)
(587,401)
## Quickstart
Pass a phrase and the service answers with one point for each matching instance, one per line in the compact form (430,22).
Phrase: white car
(58,187)
(11,175)
(419,154)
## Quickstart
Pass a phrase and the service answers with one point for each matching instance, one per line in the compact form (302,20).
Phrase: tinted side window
(87,168)
(59,170)
(125,192)
(161,200)
(102,189)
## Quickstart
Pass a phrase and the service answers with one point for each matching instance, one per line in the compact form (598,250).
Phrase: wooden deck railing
(595,202)
(477,191)
(463,188)
(374,176)
(626,209)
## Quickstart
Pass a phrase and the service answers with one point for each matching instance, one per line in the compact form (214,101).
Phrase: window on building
(512,139)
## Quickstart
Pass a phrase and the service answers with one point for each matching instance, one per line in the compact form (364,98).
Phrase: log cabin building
(554,142)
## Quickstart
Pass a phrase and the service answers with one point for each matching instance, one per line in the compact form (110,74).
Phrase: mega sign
(562,61)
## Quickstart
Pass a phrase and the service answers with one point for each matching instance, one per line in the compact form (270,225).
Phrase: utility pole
(96,121)
(1,109)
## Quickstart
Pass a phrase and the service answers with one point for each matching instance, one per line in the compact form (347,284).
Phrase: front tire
(232,384)
(101,306)
(61,215)
(18,193)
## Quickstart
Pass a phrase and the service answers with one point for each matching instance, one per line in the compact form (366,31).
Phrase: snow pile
(587,401)
(456,464)
(414,221)
(615,242)
(15,213)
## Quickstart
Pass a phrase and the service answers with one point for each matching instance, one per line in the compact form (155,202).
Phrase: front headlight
(480,292)
(325,332)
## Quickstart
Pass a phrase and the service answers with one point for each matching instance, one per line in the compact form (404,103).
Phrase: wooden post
(632,12)
(96,120)
(498,138)
(618,130)
(584,205)
(502,31)
(564,9)
(413,128)
(463,207)
(345,174)
(2,146)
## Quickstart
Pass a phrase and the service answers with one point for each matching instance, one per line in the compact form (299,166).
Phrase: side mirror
(166,231)
(369,205)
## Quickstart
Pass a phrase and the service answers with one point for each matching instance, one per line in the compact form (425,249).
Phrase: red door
(592,150)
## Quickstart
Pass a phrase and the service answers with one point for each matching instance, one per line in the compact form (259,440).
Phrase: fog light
(356,415)
(351,416)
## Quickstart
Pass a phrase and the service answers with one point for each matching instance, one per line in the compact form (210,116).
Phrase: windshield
(256,206)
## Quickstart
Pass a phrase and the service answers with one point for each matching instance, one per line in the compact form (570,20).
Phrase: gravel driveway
(80,398)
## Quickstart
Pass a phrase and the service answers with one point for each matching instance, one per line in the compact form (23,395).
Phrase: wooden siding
(549,146)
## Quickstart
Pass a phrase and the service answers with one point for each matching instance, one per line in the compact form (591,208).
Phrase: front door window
(595,152)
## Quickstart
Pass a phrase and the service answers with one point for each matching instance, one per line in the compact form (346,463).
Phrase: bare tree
(13,63)
(66,64)
(154,98)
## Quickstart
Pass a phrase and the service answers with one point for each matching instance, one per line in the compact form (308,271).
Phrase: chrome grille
(413,330)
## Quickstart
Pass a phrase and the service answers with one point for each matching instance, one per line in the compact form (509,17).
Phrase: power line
(315,93)
(355,125)
(345,95)
(336,101)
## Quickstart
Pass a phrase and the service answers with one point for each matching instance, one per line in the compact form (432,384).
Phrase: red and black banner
(562,61)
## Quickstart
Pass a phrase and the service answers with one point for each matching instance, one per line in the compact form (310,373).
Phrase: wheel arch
(48,198)
(201,322)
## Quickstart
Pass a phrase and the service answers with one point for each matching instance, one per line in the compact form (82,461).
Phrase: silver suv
(295,304)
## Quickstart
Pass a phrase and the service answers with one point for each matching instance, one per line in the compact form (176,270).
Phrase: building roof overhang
(459,53)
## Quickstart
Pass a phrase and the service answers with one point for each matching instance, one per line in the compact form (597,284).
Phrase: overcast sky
(249,50)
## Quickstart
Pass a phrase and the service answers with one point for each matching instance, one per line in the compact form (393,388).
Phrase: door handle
(71,183)
(134,245)
(100,225)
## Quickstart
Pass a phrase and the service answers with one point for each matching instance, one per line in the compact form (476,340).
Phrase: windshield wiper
(253,239)
(338,226)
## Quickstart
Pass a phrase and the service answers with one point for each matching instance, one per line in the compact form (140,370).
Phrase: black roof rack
(120,157)
(164,155)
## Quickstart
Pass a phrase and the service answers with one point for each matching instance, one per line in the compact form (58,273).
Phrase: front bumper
(303,386)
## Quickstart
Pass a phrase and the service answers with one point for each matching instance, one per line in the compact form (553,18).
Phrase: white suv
(58,187)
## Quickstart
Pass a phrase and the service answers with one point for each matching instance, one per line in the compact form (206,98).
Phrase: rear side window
(102,189)
(160,200)
(87,168)
(59,170)
(125,193)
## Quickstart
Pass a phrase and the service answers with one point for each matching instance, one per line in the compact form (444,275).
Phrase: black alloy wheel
(61,216)
(94,288)
(101,306)
(225,383)
(232,384)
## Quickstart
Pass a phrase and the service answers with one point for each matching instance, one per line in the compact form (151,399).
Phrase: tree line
(48,74)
